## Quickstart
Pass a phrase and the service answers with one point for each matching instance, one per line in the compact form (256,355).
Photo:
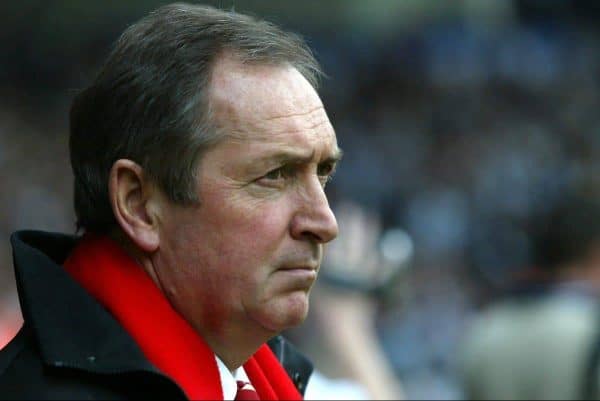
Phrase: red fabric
(245,392)
(103,268)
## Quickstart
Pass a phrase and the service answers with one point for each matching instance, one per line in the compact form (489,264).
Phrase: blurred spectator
(536,342)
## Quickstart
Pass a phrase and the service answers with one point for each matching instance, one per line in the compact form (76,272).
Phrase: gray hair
(149,102)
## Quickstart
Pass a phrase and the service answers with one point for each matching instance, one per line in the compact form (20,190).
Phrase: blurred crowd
(461,134)
(456,132)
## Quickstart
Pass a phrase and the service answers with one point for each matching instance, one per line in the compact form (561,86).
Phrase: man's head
(566,238)
(204,142)
(149,102)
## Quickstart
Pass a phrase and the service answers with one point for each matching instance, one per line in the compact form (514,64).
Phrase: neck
(237,346)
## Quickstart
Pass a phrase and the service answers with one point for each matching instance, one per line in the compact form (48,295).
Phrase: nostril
(312,236)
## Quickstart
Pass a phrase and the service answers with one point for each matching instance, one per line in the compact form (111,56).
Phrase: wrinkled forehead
(275,96)
(267,111)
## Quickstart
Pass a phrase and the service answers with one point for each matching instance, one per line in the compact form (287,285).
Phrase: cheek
(255,233)
(234,235)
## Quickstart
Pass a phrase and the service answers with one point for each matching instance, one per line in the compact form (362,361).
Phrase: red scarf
(103,268)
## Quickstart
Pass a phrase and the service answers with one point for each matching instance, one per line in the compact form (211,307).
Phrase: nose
(314,220)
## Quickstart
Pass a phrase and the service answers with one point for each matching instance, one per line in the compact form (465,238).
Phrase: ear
(132,199)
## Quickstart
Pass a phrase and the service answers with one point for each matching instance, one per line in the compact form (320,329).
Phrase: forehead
(268,104)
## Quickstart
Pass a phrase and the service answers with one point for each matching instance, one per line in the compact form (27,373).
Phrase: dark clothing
(70,347)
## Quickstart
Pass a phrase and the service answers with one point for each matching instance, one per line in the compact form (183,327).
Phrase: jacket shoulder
(11,352)
(21,370)
(24,375)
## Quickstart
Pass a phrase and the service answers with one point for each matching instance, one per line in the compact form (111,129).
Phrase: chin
(287,313)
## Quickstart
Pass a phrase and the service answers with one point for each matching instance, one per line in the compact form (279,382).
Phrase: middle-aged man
(200,155)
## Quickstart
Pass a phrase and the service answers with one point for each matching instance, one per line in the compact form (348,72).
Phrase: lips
(300,276)
(310,267)
(304,272)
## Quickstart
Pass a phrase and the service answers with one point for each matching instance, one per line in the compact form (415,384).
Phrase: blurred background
(460,120)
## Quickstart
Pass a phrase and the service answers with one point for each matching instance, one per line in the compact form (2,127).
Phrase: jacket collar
(70,327)
(73,330)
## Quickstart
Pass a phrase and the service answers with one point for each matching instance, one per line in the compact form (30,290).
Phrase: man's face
(250,252)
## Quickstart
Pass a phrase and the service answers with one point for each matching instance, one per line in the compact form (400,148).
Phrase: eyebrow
(287,157)
(337,156)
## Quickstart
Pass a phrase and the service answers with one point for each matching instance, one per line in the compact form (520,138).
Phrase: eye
(276,177)
(274,174)
(325,171)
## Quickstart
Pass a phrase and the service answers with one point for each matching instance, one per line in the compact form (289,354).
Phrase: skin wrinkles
(291,159)
(275,151)
(278,148)
(226,264)
(304,114)
(286,125)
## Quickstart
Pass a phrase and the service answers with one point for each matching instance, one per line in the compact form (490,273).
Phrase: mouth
(306,267)
(301,271)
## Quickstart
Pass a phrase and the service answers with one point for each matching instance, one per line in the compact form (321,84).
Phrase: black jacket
(70,347)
